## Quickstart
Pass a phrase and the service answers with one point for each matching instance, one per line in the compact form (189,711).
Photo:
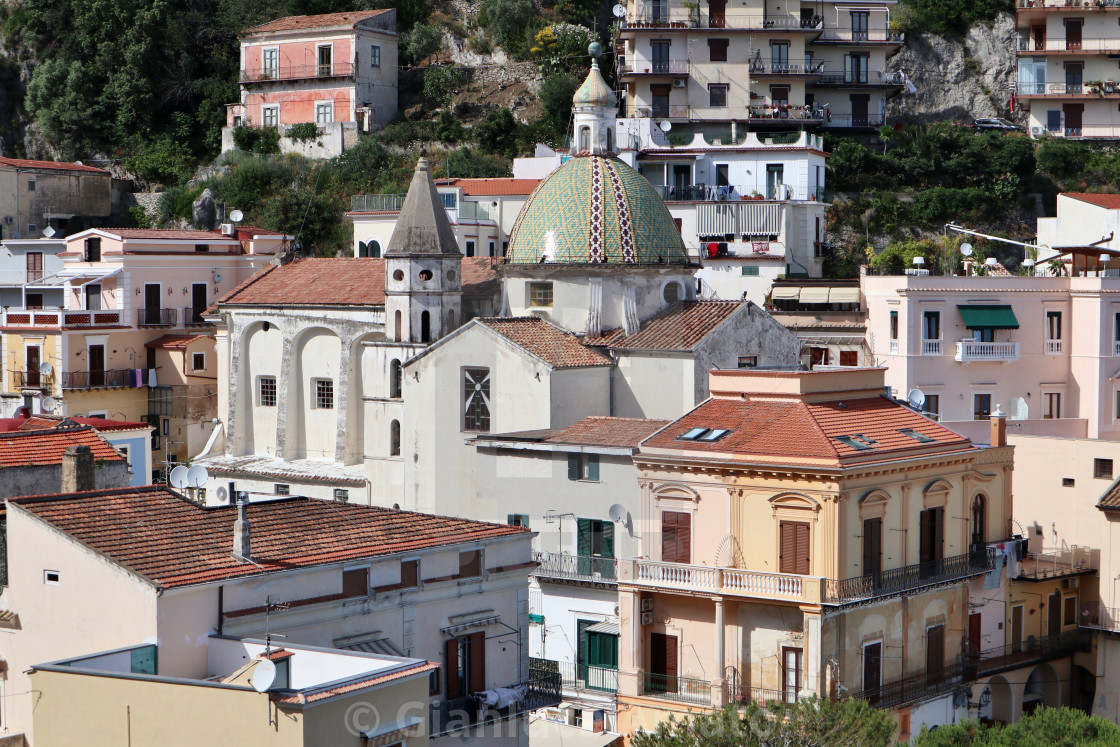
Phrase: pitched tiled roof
(159,535)
(40,448)
(548,342)
(605,431)
(1110,501)
(340,281)
(47,422)
(173,342)
(492,187)
(682,326)
(768,428)
(321,21)
(310,695)
(1109,202)
(23,163)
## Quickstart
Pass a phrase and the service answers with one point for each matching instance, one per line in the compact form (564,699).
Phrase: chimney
(241,544)
(999,427)
(77,469)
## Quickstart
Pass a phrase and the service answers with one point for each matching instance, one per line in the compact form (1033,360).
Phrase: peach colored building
(338,70)
(804,535)
(128,341)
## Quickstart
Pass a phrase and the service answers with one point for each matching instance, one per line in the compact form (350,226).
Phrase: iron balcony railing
(29,380)
(97,379)
(908,577)
(761,695)
(576,567)
(156,317)
(861,78)
(639,66)
(771,67)
(714,193)
(1050,89)
(192,317)
(856,120)
(541,690)
(298,72)
(578,676)
(860,36)
(1096,616)
(672,687)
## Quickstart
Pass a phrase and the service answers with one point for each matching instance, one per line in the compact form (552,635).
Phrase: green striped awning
(988,317)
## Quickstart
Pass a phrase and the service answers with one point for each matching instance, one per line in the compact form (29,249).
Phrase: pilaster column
(342,400)
(283,393)
(234,386)
(717,681)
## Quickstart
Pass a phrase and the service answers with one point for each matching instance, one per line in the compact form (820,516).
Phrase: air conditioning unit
(1036,131)
(9,220)
(647,605)
(680,83)
(227,229)
(647,618)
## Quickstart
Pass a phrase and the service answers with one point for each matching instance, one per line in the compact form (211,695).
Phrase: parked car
(997,124)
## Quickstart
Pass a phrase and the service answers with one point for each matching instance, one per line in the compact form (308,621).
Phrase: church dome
(595,209)
(594,91)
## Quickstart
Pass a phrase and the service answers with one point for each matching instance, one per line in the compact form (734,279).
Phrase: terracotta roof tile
(1109,202)
(157,534)
(48,422)
(340,281)
(173,342)
(349,687)
(556,347)
(321,21)
(682,326)
(768,428)
(1110,501)
(23,163)
(492,187)
(39,448)
(606,431)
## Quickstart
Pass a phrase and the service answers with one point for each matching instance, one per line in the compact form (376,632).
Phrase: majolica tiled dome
(594,91)
(595,209)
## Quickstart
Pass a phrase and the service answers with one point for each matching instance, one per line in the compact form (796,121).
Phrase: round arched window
(450,274)
(425,274)
(672,292)
(398,275)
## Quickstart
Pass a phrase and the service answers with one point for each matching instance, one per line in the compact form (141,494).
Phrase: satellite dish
(222,494)
(197,476)
(217,277)
(966,250)
(236,216)
(45,368)
(916,398)
(619,11)
(264,674)
(991,261)
(50,404)
(665,125)
(1028,263)
(178,477)
(617,512)
(49,232)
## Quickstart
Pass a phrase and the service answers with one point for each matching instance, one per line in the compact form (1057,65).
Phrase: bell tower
(594,110)
(423,267)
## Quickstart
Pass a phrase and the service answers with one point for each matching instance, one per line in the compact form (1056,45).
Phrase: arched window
(374,248)
(584,138)
(450,322)
(979,517)
(395,438)
(395,378)
(610,140)
(425,326)
(397,326)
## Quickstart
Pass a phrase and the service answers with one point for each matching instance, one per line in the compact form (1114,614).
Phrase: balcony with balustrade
(192,317)
(578,677)
(861,79)
(631,67)
(843,35)
(1029,46)
(663,15)
(59,318)
(680,689)
(976,351)
(156,317)
(284,73)
(577,569)
(30,380)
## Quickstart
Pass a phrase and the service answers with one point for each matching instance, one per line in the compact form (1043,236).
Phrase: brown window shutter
(671,664)
(676,537)
(451,666)
(802,562)
(872,545)
(684,539)
(477,650)
(785,547)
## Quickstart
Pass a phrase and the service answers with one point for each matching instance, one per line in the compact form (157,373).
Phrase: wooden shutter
(676,537)
(451,666)
(573,467)
(593,467)
(872,546)
(607,548)
(583,537)
(793,554)
(476,647)
(935,649)
(872,666)
(938,533)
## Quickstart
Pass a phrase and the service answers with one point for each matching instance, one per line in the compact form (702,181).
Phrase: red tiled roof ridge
(97,493)
(680,326)
(573,355)
(319,20)
(1108,200)
(57,165)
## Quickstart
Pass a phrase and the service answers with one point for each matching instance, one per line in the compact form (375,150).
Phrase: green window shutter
(583,537)
(573,466)
(363,250)
(608,539)
(593,467)
(594,655)
(750,271)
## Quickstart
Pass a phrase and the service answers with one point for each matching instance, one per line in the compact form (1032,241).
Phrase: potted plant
(693,16)
(1095,86)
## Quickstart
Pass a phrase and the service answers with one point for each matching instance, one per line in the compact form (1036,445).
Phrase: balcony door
(662,663)
(1074,73)
(198,302)
(34,267)
(152,298)
(935,652)
(872,670)
(860,103)
(96,365)
(873,548)
(659,98)
(859,25)
(324,58)
(975,631)
(932,540)
(857,67)
(1038,33)
(779,56)
(1054,614)
(717,13)
(792,665)
(676,537)
(1073,32)
(1073,115)
(34,360)
(594,539)
(793,552)
(1017,628)
(779,98)
(659,56)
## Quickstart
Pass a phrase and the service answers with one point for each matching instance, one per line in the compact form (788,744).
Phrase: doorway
(662,663)
(198,303)
(96,365)
(151,303)
(859,109)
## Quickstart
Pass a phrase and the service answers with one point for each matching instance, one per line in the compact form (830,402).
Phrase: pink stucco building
(338,70)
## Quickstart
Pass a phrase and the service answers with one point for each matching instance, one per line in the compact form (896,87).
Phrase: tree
(562,46)
(806,723)
(556,95)
(513,23)
(497,132)
(423,41)
(1045,727)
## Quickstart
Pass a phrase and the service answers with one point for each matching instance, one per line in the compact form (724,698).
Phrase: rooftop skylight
(919,437)
(703,434)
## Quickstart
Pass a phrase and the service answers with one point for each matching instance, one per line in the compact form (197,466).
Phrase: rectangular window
(981,406)
(410,574)
(583,467)
(779,56)
(32,227)
(793,551)
(470,248)
(750,271)
(52,577)
(791,674)
(933,404)
(201,248)
(717,50)
(470,564)
(849,358)
(540,294)
(894,325)
(324,113)
(355,582)
(342,495)
(324,394)
(518,520)
(30,185)
(270,62)
(859,25)
(717,95)
(93,249)
(1102,469)
(594,538)
(159,400)
(324,56)
(93,297)
(198,361)
(266,391)
(659,99)
(676,537)
(33,301)
(1051,406)
(856,68)
(1053,332)
(34,267)
(476,400)
(281,489)
(493,247)
(931,325)
(660,55)
(374,56)
(270,116)
(1069,611)
(748,361)
(818,356)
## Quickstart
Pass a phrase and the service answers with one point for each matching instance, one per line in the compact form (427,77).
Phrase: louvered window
(793,555)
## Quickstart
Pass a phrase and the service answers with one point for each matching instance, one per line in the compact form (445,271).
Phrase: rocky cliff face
(957,79)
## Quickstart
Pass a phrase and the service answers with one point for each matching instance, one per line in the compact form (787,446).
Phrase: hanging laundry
(152,377)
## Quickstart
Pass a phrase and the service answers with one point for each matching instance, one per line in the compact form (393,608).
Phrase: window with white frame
(374,55)
(270,115)
(266,391)
(324,393)
(324,113)
(1051,405)
(270,62)
(1053,332)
